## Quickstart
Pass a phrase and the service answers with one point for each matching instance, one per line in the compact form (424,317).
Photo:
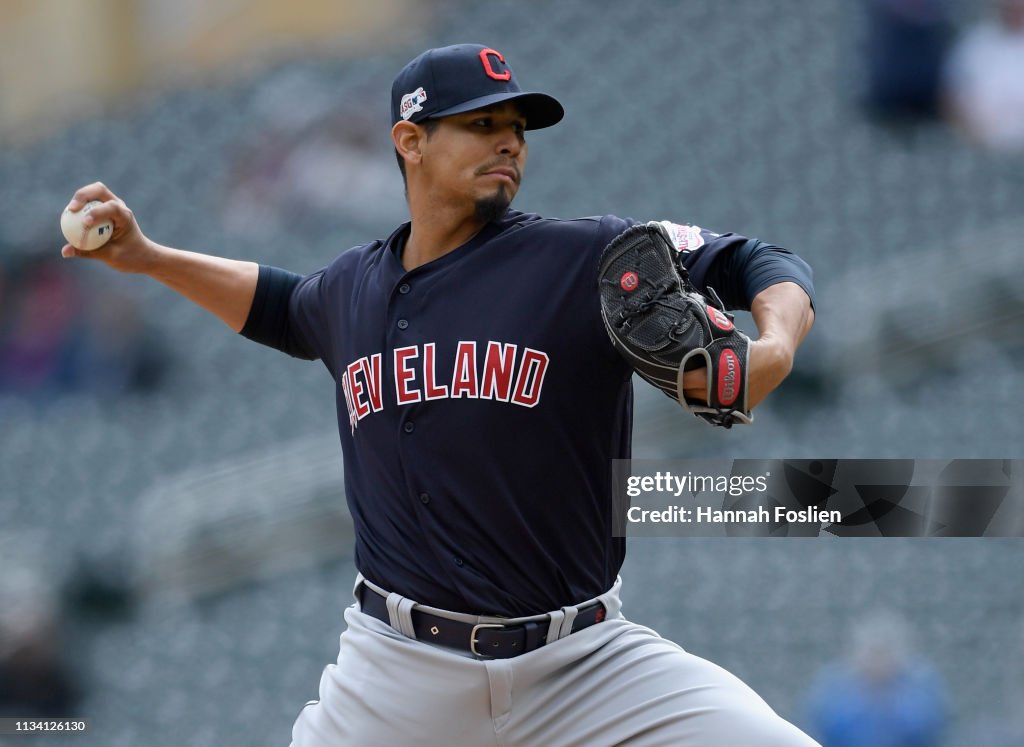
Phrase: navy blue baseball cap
(461,78)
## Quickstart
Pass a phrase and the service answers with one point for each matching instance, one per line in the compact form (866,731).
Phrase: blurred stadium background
(174,549)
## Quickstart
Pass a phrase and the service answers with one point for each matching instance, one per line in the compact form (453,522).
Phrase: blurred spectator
(280,177)
(34,680)
(37,319)
(322,166)
(56,336)
(985,79)
(881,695)
(907,42)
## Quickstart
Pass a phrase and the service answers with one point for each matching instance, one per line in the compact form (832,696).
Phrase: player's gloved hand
(664,327)
(128,250)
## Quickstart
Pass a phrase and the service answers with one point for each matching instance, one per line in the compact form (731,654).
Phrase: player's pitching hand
(695,383)
(128,249)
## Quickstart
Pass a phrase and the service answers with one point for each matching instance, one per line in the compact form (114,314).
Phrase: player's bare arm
(224,287)
(783,315)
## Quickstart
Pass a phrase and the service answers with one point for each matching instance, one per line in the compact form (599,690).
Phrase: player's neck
(437,232)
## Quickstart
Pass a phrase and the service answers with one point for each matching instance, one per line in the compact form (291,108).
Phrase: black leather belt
(486,640)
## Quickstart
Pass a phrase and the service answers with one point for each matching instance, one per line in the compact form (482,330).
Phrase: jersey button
(402,324)
(424,499)
(458,562)
(404,288)
(408,427)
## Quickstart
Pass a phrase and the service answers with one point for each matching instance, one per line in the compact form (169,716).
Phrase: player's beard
(491,209)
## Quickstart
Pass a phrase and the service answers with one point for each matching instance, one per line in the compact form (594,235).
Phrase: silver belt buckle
(472,636)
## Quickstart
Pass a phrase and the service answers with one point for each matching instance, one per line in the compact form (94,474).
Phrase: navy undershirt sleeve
(268,322)
(739,275)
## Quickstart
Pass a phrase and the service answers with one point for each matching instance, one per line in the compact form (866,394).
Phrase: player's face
(478,156)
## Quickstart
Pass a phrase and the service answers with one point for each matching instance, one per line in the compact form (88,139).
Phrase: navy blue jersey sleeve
(285,312)
(739,275)
(738,268)
(307,315)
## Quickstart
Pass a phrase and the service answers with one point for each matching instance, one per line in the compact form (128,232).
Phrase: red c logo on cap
(484,58)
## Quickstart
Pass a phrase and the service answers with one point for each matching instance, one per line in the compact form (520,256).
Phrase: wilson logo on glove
(728,376)
(629,281)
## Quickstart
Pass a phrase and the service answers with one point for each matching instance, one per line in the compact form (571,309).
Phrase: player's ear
(408,138)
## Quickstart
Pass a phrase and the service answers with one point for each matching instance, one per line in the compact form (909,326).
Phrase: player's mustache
(500,165)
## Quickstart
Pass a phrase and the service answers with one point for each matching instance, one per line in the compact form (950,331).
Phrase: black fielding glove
(663,326)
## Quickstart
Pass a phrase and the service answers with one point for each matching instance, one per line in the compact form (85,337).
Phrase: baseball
(78,236)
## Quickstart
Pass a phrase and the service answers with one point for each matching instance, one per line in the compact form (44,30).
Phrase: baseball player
(483,360)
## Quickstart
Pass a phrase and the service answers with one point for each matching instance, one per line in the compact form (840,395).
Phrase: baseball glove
(663,326)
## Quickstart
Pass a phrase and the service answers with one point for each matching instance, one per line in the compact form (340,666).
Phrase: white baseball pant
(613,683)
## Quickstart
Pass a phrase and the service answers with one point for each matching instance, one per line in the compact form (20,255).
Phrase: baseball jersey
(480,404)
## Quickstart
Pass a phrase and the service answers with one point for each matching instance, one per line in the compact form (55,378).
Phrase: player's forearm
(224,287)
(783,315)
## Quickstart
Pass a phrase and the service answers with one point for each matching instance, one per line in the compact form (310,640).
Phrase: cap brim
(539,109)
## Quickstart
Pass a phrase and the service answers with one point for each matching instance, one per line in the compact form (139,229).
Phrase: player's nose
(510,142)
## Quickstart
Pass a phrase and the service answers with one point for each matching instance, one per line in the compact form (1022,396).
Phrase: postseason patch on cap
(412,103)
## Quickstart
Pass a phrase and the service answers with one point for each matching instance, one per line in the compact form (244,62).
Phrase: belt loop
(611,601)
(400,614)
(555,626)
(570,617)
(355,587)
